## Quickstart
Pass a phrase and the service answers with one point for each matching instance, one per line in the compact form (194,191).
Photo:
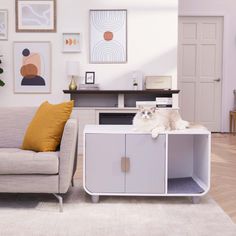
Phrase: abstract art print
(32,67)
(3,24)
(71,42)
(35,16)
(108,36)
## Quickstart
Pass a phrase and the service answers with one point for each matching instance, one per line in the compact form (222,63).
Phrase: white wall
(227,9)
(152,43)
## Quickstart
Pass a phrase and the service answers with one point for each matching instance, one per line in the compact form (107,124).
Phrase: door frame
(223,108)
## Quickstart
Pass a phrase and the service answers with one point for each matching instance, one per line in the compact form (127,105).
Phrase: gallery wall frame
(71,42)
(3,24)
(108,36)
(89,77)
(32,66)
(36,16)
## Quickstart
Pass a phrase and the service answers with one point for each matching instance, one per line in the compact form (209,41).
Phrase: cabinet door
(103,163)
(147,164)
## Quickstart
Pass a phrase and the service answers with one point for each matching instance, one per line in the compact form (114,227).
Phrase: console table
(116,98)
(120,161)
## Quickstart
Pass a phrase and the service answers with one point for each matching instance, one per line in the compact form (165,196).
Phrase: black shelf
(109,98)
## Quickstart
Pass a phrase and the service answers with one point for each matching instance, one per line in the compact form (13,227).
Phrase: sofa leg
(72,182)
(60,199)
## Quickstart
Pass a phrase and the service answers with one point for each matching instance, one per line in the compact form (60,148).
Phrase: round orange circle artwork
(108,35)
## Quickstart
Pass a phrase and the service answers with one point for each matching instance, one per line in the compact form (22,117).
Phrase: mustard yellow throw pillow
(45,130)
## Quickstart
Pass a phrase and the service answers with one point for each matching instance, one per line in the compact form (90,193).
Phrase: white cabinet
(120,161)
(124,163)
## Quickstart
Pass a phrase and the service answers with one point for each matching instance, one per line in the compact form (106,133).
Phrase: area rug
(37,215)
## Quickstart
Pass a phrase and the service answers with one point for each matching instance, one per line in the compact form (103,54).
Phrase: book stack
(89,86)
(163,102)
(146,104)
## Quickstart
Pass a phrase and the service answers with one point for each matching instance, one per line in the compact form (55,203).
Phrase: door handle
(125,164)
(217,80)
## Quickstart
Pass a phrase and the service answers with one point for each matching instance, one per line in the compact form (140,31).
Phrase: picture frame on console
(32,67)
(89,77)
(35,16)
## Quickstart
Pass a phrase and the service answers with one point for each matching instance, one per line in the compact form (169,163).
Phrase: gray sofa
(30,172)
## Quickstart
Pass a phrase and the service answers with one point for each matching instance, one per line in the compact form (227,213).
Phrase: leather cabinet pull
(125,164)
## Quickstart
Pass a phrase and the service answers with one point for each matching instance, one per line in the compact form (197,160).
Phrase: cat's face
(146,113)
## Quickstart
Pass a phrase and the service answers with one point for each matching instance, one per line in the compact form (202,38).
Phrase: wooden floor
(223,181)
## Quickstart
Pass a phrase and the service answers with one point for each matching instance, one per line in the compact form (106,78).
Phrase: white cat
(158,120)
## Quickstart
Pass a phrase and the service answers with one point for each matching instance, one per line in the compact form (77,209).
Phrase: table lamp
(73,71)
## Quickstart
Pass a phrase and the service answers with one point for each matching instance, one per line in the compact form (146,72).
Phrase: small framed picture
(90,77)
(35,16)
(71,42)
(3,24)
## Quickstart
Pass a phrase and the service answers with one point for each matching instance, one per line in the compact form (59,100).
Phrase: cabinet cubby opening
(188,163)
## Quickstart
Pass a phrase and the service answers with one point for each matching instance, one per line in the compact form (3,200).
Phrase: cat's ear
(153,109)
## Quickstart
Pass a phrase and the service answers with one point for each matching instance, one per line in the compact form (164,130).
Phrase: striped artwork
(108,37)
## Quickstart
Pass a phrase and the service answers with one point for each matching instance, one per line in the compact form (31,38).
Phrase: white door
(200,70)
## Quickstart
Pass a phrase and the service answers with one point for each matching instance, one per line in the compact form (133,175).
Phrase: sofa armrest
(67,155)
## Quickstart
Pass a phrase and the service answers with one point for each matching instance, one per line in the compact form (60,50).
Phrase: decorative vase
(73,85)
(135,86)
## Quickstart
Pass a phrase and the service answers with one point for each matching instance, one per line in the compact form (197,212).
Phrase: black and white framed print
(90,77)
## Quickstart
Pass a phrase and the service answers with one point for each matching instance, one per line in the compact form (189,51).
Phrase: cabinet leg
(95,198)
(196,199)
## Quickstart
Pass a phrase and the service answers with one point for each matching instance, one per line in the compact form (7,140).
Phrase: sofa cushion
(17,161)
(45,131)
(13,125)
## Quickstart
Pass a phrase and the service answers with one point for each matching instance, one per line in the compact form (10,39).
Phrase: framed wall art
(108,36)
(35,16)
(89,77)
(71,42)
(32,67)
(3,24)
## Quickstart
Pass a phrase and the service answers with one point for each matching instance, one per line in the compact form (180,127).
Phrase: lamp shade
(72,68)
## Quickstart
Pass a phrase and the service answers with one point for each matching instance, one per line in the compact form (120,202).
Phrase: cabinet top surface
(129,129)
